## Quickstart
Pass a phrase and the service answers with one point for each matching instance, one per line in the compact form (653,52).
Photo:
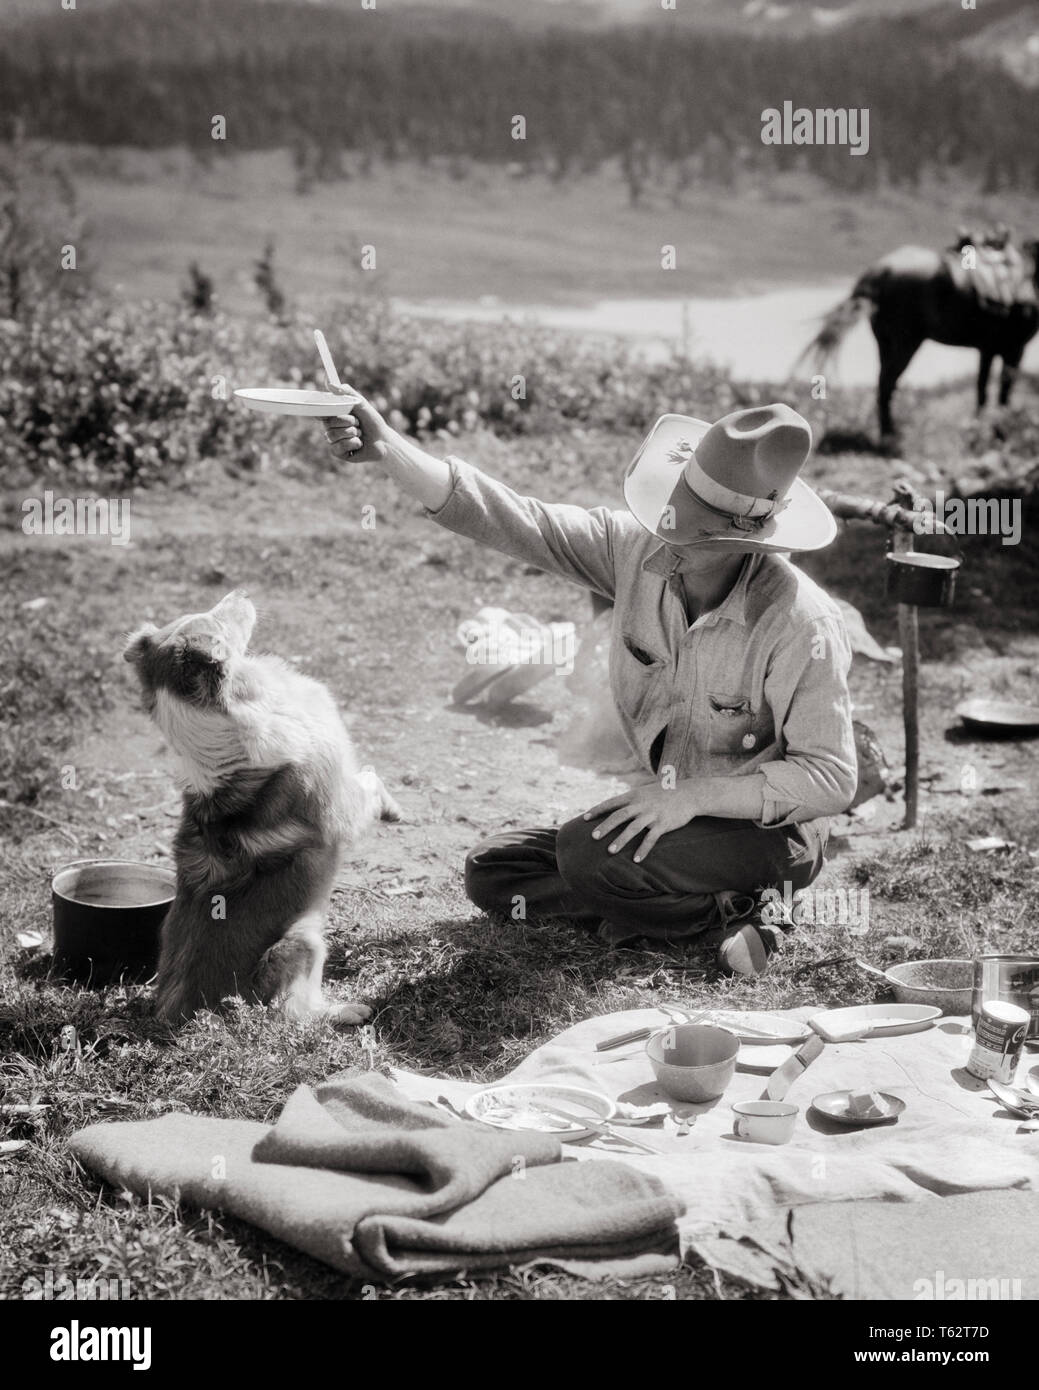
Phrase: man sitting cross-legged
(728,668)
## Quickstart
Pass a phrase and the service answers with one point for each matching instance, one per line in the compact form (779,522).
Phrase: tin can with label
(1012,979)
(998,1041)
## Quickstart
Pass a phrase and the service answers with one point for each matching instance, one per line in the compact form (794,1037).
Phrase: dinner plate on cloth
(755,1029)
(515,1107)
(284,400)
(763,1059)
(873,1021)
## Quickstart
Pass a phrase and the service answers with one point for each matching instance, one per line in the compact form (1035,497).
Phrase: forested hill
(430,81)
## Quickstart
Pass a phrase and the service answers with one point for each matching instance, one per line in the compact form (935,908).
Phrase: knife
(783,1077)
(592,1122)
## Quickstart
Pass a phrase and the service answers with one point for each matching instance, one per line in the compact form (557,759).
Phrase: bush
(127,394)
(124,395)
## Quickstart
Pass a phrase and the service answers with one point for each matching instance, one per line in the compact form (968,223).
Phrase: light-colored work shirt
(758,684)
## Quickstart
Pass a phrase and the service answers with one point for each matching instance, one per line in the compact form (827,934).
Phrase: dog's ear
(206,647)
(237,617)
(140,643)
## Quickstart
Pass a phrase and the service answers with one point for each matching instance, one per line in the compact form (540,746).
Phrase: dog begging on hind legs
(272,794)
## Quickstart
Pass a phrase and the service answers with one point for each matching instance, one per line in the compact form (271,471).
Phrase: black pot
(108,914)
(928,581)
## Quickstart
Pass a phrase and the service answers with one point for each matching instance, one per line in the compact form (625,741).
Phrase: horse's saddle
(995,275)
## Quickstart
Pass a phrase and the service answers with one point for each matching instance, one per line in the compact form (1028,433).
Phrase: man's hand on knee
(651,810)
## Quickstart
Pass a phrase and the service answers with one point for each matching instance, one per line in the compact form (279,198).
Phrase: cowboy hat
(734,482)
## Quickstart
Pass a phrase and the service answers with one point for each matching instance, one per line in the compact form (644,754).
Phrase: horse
(913,294)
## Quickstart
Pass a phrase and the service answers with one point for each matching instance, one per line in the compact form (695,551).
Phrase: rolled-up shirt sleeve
(573,542)
(807,691)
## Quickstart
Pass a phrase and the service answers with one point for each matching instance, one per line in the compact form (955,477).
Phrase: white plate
(763,1059)
(283,400)
(777,1029)
(508,1107)
(874,1020)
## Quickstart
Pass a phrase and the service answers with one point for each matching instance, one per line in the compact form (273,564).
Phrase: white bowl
(694,1061)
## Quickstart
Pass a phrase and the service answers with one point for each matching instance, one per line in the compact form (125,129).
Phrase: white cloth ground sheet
(952,1138)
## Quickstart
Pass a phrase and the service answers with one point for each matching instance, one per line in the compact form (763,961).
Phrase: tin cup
(764,1121)
(915,577)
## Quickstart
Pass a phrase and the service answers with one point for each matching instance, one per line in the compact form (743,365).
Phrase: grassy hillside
(424,84)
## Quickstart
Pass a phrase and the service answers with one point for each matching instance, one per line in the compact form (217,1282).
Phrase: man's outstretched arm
(570,541)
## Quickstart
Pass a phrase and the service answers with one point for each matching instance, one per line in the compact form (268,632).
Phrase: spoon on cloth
(1017,1102)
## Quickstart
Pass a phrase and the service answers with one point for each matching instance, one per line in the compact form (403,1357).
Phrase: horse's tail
(843,316)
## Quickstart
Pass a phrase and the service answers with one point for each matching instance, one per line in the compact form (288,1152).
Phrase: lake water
(759,336)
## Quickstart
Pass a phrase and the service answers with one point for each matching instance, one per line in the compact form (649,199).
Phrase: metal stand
(909,639)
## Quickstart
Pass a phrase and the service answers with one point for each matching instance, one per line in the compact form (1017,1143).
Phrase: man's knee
(483,877)
(587,866)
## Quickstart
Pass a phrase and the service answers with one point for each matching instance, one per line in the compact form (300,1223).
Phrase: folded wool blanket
(377,1185)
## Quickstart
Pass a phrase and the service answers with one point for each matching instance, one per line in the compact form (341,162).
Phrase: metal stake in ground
(914,580)
(909,640)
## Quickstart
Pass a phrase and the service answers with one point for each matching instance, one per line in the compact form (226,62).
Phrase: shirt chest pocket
(734,729)
(641,678)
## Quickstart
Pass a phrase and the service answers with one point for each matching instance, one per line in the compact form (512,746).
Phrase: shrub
(123,395)
(127,394)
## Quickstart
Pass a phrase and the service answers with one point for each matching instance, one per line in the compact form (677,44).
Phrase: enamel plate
(874,1020)
(756,1030)
(763,1059)
(283,400)
(515,1107)
(998,716)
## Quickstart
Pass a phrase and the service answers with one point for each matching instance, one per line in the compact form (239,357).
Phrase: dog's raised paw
(348,1015)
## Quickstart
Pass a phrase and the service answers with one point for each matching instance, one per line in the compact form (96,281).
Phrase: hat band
(723,499)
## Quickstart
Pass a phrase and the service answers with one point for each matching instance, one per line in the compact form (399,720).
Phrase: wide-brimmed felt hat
(733,482)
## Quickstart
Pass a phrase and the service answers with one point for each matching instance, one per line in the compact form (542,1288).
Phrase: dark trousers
(701,876)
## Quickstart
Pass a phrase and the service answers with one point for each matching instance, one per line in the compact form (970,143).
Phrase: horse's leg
(896,352)
(984,367)
(1011,363)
